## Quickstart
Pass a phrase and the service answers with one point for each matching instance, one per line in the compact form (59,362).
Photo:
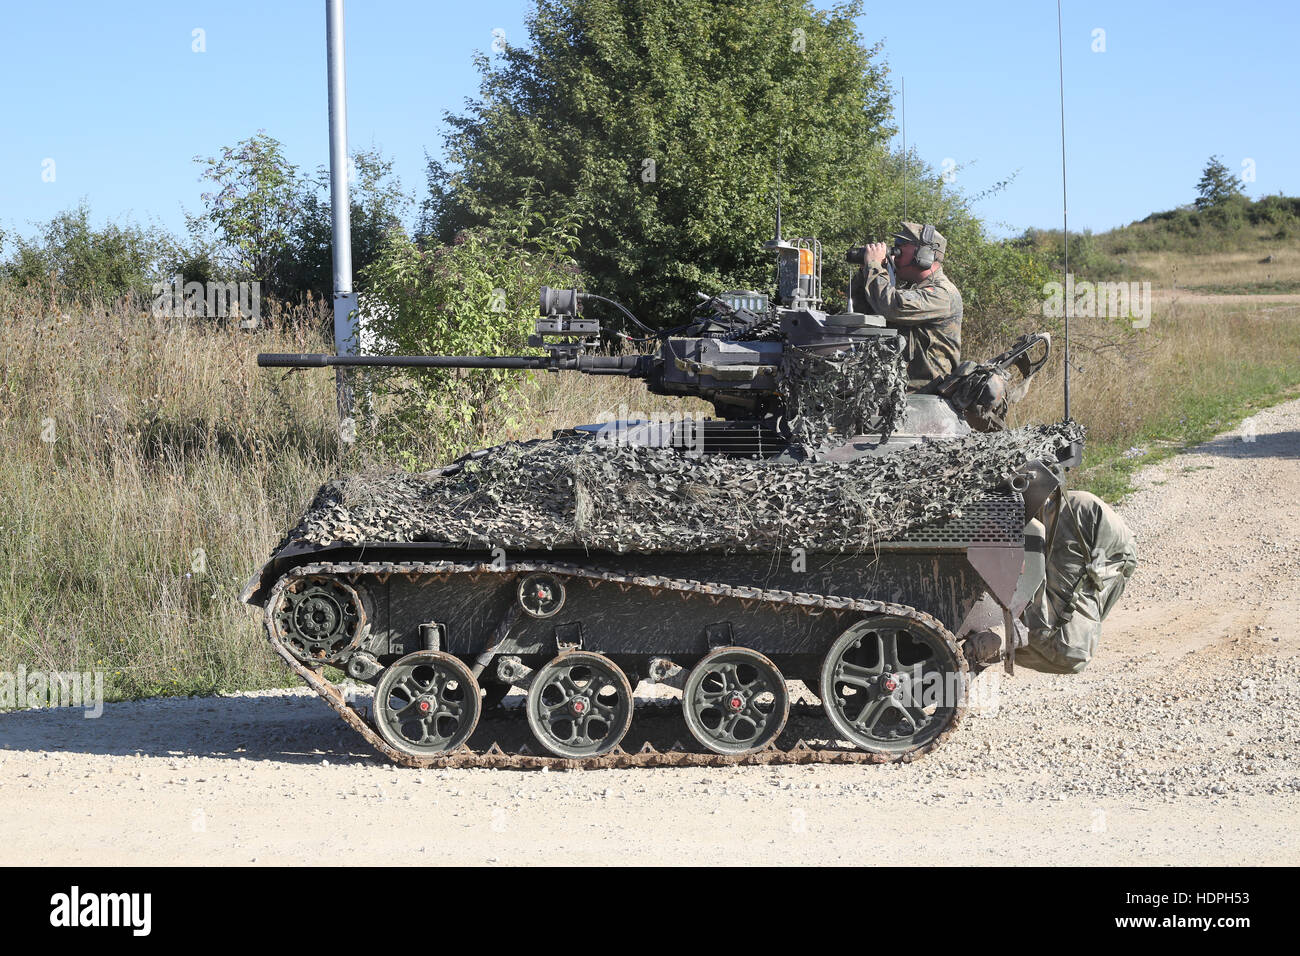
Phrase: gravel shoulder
(1178,745)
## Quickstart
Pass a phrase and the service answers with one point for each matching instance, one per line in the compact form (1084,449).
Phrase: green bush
(1274,210)
(477,295)
(1002,286)
(70,258)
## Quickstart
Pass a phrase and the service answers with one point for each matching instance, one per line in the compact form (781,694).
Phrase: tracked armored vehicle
(826,527)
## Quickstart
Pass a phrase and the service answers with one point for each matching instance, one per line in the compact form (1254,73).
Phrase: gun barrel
(595,364)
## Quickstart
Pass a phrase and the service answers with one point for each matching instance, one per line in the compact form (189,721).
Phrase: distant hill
(1239,246)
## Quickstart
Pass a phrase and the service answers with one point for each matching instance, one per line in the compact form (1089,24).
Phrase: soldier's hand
(876,252)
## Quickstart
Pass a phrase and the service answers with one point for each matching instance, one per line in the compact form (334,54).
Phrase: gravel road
(1177,746)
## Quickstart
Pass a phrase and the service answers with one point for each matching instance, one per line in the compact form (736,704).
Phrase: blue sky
(114,94)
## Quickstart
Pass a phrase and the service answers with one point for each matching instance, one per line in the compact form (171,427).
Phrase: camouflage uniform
(928,313)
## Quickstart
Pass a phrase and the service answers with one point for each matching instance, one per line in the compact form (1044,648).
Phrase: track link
(496,758)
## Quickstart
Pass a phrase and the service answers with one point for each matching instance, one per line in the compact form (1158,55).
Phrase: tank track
(496,758)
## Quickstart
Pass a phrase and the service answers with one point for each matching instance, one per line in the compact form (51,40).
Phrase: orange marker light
(805,262)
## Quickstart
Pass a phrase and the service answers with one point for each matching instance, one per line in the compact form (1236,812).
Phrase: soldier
(923,305)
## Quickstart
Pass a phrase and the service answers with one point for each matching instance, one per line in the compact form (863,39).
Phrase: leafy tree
(1217,185)
(253,210)
(664,124)
(476,295)
(273,225)
(377,203)
(723,98)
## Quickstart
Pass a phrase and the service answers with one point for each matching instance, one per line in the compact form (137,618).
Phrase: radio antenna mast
(780,170)
(777,242)
(1065,206)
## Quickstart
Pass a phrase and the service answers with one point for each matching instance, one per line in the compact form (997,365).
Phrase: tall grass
(145,468)
(1196,371)
(1265,269)
(148,467)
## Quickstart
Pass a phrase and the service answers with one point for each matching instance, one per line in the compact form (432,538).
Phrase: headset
(926,252)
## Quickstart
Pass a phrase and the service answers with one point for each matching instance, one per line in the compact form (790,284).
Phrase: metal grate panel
(996,519)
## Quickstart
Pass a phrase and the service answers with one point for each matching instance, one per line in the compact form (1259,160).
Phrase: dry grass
(1238,267)
(1197,370)
(145,468)
(1250,260)
(172,467)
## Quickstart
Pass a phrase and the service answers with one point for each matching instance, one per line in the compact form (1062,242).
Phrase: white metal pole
(1065,205)
(346,323)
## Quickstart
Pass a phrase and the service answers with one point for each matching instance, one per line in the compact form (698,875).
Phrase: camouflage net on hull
(863,391)
(578,492)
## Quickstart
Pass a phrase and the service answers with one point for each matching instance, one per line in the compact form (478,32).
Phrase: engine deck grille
(996,519)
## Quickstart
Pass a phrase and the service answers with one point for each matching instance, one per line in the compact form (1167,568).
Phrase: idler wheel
(426,703)
(892,685)
(735,701)
(580,705)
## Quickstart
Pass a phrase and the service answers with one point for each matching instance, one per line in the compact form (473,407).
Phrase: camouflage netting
(578,492)
(864,390)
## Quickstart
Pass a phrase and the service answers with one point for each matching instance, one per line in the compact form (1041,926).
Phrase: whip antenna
(903,100)
(1065,206)
(780,170)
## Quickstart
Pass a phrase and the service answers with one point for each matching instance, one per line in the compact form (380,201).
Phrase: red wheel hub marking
(579,706)
(891,683)
(424,706)
(736,703)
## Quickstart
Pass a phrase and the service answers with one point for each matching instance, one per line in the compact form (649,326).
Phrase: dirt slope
(1178,745)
